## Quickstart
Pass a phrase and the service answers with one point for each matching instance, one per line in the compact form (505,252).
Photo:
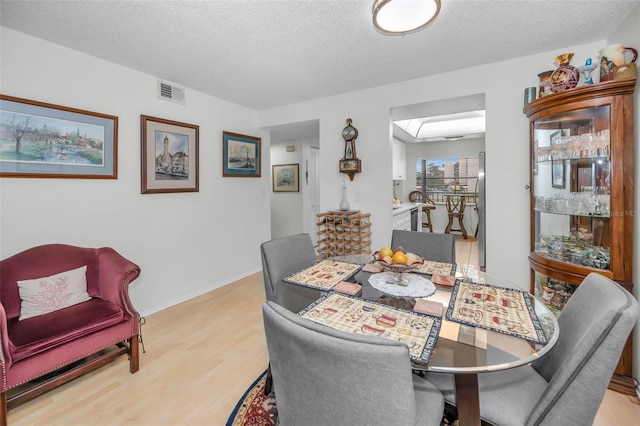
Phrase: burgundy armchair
(45,351)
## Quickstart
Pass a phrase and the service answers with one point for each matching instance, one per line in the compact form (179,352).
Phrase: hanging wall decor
(240,155)
(169,156)
(350,164)
(41,140)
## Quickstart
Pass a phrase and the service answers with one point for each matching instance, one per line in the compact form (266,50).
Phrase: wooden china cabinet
(582,195)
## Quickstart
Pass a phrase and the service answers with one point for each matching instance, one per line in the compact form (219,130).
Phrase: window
(440,177)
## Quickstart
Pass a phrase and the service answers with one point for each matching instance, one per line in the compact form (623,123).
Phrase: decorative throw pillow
(43,295)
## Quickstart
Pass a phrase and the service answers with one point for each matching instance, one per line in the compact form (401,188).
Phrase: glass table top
(464,348)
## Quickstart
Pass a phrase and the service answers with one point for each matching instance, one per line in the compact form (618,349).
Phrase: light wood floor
(200,357)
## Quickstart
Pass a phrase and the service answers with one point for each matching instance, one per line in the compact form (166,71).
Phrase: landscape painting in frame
(286,177)
(240,155)
(38,139)
(169,156)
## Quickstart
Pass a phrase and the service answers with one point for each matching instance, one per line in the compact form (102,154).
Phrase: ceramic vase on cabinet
(566,75)
(545,84)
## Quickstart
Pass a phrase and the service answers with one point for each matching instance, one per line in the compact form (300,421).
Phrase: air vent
(454,138)
(170,92)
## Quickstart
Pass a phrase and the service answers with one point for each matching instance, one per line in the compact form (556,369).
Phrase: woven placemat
(324,274)
(430,267)
(355,315)
(504,310)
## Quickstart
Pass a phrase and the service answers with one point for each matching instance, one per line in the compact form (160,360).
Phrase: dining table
(477,320)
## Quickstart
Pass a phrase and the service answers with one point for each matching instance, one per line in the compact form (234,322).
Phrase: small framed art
(52,141)
(286,178)
(169,156)
(240,155)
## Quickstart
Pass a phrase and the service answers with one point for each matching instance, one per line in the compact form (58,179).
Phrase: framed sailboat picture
(241,155)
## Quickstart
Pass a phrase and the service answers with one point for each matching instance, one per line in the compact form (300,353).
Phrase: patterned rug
(254,407)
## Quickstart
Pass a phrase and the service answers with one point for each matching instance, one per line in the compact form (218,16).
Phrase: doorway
(440,130)
(296,212)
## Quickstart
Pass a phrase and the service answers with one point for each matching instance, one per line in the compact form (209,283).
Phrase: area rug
(254,407)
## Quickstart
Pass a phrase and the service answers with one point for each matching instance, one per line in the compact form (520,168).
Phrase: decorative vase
(545,84)
(586,70)
(566,76)
(344,203)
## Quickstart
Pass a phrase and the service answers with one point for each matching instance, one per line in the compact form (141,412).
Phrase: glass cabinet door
(571,187)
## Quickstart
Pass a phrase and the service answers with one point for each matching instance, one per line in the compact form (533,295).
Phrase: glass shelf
(597,215)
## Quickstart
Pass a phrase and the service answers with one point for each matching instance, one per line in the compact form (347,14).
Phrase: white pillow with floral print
(43,295)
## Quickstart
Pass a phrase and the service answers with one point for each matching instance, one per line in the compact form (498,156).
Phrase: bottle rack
(343,233)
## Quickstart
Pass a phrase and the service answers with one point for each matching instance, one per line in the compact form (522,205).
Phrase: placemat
(505,310)
(324,274)
(355,315)
(430,267)
(418,286)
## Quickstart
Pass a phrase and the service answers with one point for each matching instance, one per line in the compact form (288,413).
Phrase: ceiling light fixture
(399,17)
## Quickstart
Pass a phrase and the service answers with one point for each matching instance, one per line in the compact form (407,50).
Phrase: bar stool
(455,210)
(427,206)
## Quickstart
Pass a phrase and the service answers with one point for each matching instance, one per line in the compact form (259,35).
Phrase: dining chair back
(324,376)
(282,257)
(436,247)
(567,385)
(455,210)
(594,327)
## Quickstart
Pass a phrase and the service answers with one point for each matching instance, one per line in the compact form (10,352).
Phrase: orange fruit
(399,257)
(385,251)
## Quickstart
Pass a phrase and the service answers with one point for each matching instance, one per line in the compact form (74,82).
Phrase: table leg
(467,399)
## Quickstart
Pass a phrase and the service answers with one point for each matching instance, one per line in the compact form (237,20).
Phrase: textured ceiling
(267,53)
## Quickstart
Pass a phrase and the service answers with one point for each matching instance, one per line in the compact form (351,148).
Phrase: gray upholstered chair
(436,247)
(324,376)
(282,257)
(567,385)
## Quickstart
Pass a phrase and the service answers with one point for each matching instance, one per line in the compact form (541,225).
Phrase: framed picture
(350,165)
(40,140)
(286,178)
(240,155)
(169,156)
(557,174)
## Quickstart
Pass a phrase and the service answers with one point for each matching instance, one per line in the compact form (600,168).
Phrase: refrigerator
(482,255)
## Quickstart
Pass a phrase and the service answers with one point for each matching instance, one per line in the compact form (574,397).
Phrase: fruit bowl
(398,268)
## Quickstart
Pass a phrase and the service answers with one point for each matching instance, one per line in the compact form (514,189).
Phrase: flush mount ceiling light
(399,17)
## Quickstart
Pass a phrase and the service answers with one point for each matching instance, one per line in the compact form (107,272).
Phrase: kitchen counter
(405,207)
(406,216)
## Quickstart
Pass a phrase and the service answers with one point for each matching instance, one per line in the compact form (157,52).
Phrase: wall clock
(350,164)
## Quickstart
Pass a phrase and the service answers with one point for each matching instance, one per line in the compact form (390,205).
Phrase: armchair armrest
(5,354)
(115,273)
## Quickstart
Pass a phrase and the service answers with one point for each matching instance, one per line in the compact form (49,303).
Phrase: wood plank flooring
(201,355)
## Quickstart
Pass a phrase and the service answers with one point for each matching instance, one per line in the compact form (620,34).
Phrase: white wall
(189,243)
(185,243)
(286,207)
(506,145)
(629,35)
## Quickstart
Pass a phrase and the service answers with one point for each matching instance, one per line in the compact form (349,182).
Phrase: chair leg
(134,354)
(3,409)
(462,228)
(268,383)
(448,229)
(429,224)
